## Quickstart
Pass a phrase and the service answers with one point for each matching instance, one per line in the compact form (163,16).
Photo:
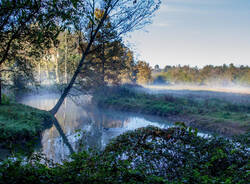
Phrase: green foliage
(243,139)
(178,155)
(28,29)
(143,72)
(5,100)
(146,155)
(20,123)
(125,99)
(31,26)
(220,75)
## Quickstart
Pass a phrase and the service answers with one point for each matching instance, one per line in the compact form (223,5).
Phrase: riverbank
(207,114)
(20,124)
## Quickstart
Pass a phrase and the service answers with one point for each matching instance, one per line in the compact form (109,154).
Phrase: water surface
(82,124)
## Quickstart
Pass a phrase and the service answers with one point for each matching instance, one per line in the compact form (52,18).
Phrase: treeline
(110,62)
(217,75)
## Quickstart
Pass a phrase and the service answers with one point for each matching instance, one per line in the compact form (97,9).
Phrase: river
(82,125)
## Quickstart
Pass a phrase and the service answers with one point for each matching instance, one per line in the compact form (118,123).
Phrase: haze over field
(224,89)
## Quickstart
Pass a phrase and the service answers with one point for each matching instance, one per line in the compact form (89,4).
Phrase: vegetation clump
(20,123)
(146,155)
(178,154)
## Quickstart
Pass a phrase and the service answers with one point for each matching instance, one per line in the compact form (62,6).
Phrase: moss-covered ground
(20,123)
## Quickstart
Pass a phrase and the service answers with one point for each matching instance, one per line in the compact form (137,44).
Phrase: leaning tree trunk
(70,85)
(103,64)
(79,67)
(0,88)
(65,60)
(72,81)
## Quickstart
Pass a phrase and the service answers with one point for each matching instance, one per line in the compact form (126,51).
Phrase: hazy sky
(196,32)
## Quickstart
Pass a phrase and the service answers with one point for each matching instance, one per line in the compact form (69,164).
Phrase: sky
(196,33)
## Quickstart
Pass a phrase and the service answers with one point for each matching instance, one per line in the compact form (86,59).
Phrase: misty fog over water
(84,125)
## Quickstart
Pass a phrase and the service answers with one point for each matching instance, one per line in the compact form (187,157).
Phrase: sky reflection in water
(84,125)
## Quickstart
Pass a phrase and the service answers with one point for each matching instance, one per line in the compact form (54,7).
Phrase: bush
(178,154)
(146,155)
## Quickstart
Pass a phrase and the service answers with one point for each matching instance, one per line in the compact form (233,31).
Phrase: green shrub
(146,155)
(176,154)
(5,99)
(20,123)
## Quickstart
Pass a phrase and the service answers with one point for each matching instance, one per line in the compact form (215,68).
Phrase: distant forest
(217,75)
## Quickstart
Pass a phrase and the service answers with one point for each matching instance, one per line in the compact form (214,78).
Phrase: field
(196,88)
(218,112)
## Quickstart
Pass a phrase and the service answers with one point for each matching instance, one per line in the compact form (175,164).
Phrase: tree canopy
(28,28)
(123,15)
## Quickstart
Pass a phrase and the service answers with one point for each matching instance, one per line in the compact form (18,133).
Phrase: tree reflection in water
(83,126)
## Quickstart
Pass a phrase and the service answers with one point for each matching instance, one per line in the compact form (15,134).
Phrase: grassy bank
(212,114)
(20,123)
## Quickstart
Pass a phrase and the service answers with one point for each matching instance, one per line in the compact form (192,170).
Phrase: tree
(108,64)
(159,80)
(107,58)
(143,74)
(220,75)
(128,75)
(124,16)
(157,68)
(69,54)
(29,26)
